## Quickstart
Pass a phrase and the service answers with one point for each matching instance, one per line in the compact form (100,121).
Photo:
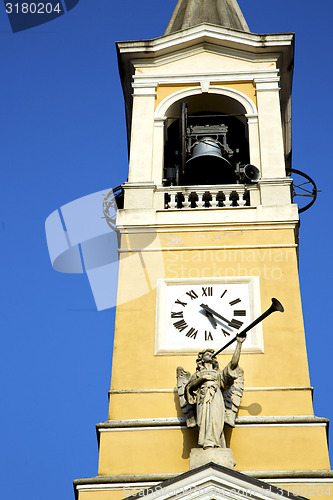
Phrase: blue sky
(62,137)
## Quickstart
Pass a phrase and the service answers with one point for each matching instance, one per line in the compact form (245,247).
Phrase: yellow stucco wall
(113,494)
(160,450)
(247,88)
(284,342)
(160,405)
(207,62)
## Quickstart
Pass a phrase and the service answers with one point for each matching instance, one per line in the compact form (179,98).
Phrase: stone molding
(244,100)
(306,420)
(174,390)
(254,481)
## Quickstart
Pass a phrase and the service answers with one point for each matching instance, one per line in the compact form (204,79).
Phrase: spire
(190,13)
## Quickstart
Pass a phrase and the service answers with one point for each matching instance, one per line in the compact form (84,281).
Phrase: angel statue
(210,398)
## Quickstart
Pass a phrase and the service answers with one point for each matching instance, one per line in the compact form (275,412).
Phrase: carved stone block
(219,456)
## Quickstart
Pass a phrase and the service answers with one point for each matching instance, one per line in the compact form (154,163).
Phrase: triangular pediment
(212,481)
(208,33)
(209,57)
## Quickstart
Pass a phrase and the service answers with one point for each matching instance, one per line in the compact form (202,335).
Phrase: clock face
(195,314)
(210,312)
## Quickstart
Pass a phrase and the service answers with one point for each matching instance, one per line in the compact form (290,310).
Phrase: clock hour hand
(211,311)
(211,318)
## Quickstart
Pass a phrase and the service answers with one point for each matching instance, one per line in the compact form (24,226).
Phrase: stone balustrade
(195,197)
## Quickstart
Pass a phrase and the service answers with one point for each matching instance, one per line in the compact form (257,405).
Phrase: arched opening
(206,141)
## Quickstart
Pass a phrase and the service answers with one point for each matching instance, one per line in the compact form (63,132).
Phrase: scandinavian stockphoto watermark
(266,263)
(196,491)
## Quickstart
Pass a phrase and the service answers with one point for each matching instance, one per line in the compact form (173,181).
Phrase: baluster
(241,202)
(200,202)
(172,202)
(227,202)
(214,201)
(186,202)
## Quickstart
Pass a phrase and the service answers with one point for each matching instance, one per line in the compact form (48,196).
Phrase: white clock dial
(230,303)
(194,314)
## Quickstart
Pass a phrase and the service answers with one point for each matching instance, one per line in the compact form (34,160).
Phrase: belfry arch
(215,140)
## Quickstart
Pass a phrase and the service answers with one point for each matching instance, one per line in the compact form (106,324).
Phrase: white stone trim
(208,33)
(244,100)
(153,391)
(165,347)
(205,86)
(144,92)
(299,480)
(125,487)
(156,60)
(225,247)
(263,84)
(276,181)
(184,227)
(237,426)
(245,421)
(141,391)
(130,487)
(268,424)
(252,118)
(139,185)
(225,76)
(211,482)
(159,122)
(301,388)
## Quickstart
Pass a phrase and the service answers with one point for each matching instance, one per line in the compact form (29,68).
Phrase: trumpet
(275,306)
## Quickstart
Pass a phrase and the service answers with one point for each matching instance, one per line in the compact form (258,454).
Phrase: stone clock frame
(166,291)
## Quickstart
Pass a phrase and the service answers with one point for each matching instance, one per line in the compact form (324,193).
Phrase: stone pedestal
(220,456)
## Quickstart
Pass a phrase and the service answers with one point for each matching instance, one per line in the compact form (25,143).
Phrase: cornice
(243,482)
(208,32)
(181,226)
(174,390)
(249,421)
(155,79)
(154,478)
(205,45)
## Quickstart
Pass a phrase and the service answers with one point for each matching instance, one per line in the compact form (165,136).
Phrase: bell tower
(206,216)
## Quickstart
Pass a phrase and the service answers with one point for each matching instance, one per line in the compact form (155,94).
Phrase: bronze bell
(207,164)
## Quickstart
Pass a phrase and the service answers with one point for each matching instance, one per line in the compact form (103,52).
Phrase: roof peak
(189,13)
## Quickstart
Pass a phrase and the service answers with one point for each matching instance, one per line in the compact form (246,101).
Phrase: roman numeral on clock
(181,303)
(234,323)
(192,333)
(207,291)
(226,334)
(192,294)
(179,314)
(208,336)
(181,325)
(233,302)
(239,312)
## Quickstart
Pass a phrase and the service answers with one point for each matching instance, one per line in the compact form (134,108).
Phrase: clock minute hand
(211,311)
(211,318)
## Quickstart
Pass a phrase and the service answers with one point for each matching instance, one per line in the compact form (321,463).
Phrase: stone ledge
(157,422)
(138,478)
(174,390)
(128,478)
